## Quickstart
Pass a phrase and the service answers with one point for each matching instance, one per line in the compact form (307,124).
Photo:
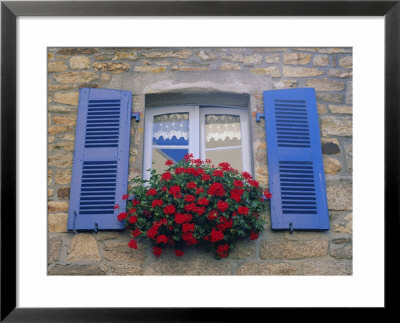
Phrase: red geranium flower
(122,216)
(132,244)
(135,202)
(222,250)
(189,239)
(246,175)
(224,223)
(179,170)
(186,227)
(182,218)
(224,165)
(216,235)
(157,251)
(136,232)
(162,238)
(236,194)
(125,196)
(175,191)
(243,210)
(191,185)
(133,219)
(253,183)
(237,183)
(218,172)
(169,209)
(132,210)
(166,176)
(189,198)
(206,177)
(199,190)
(116,206)
(190,207)
(253,235)
(178,253)
(157,203)
(169,162)
(216,189)
(152,232)
(188,157)
(200,210)
(164,188)
(203,201)
(151,191)
(212,215)
(222,206)
(267,194)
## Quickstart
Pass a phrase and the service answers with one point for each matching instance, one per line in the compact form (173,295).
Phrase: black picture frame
(10,10)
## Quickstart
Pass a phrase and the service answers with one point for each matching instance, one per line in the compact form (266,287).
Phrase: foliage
(195,203)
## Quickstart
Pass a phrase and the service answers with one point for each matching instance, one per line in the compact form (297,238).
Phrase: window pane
(222,130)
(171,129)
(232,156)
(160,156)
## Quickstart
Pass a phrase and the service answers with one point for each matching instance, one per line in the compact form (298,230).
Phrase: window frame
(196,130)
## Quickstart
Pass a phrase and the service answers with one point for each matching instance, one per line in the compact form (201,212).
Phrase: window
(217,133)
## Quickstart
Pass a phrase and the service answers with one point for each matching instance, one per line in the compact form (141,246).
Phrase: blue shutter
(296,172)
(101,158)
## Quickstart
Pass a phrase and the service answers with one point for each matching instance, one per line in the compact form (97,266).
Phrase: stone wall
(328,70)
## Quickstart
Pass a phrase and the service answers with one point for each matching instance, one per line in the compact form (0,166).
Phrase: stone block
(346,61)
(334,72)
(330,97)
(53,249)
(55,67)
(296,58)
(339,194)
(243,249)
(206,56)
(79,62)
(326,267)
(63,192)
(330,50)
(325,85)
(342,109)
(332,166)
(57,206)
(286,249)
(62,160)
(184,53)
(77,51)
(290,71)
(336,126)
(330,146)
(150,69)
(129,55)
(117,251)
(191,263)
(76,269)
(341,249)
(57,222)
(321,60)
(275,269)
(63,176)
(115,68)
(70,98)
(65,120)
(344,224)
(76,77)
(229,67)
(273,58)
(284,84)
(122,269)
(83,248)
(271,70)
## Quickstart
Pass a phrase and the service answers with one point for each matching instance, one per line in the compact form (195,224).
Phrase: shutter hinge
(136,115)
(291,227)
(258,116)
(96,227)
(73,225)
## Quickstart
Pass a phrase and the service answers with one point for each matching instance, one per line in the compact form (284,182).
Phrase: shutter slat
(100,168)
(296,173)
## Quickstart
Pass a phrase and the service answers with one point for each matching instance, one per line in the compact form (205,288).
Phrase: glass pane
(160,156)
(232,156)
(171,129)
(222,130)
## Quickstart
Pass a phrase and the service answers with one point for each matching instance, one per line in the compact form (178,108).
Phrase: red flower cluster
(195,201)
(216,189)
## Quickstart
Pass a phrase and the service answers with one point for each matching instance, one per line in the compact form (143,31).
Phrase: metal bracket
(291,227)
(136,115)
(96,227)
(258,116)
(73,226)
